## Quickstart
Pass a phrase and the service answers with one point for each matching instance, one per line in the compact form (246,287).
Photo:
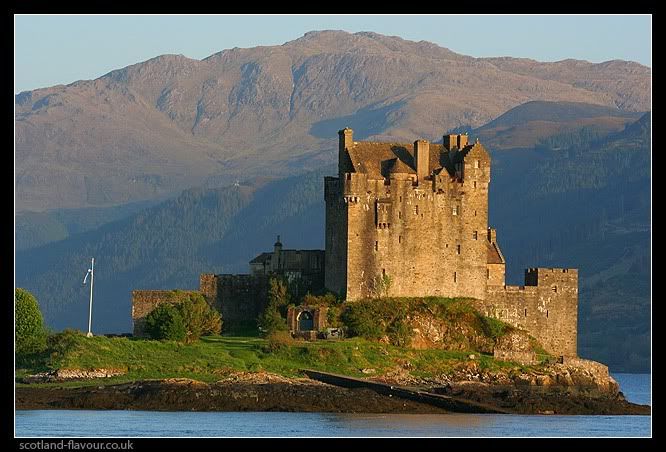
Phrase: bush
(492,327)
(30,332)
(166,323)
(278,340)
(271,319)
(61,343)
(375,319)
(199,318)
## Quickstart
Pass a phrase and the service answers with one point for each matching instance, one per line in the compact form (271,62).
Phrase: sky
(61,49)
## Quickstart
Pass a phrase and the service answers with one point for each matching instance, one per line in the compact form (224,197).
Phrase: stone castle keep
(416,216)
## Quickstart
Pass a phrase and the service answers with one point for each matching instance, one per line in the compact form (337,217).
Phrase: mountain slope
(171,122)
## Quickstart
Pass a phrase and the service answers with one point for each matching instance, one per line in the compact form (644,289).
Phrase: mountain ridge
(171,122)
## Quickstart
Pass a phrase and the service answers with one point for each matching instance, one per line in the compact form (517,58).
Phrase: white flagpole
(92,279)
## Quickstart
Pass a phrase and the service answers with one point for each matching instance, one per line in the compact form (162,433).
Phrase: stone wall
(143,303)
(241,298)
(546,307)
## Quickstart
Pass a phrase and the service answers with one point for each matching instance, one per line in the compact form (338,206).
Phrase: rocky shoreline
(526,394)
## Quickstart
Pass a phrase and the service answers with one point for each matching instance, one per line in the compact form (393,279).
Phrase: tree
(165,322)
(271,320)
(30,332)
(199,318)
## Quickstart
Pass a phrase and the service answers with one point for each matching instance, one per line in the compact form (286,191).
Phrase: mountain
(574,200)
(525,125)
(157,127)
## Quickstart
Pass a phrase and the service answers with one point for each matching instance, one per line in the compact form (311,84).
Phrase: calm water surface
(636,388)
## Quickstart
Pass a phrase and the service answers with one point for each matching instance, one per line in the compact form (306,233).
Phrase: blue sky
(52,49)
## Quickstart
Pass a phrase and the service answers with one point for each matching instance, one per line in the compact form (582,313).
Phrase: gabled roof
(494,254)
(378,160)
(263,257)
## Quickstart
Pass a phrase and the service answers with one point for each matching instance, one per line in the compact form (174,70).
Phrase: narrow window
(475,235)
(455,277)
(399,215)
(416,209)
(458,249)
(383,272)
(554,288)
(399,239)
(401,199)
(546,313)
(455,210)
(376,245)
(474,184)
(476,165)
(475,213)
(525,312)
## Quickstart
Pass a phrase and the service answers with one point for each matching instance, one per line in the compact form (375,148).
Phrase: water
(59,423)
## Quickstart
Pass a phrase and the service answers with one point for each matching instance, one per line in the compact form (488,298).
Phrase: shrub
(30,332)
(166,323)
(278,340)
(61,343)
(492,327)
(199,318)
(320,300)
(375,319)
(271,319)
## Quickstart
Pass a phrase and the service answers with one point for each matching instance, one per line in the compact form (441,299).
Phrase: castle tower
(386,215)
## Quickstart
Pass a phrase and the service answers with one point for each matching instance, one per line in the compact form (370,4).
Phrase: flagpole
(92,280)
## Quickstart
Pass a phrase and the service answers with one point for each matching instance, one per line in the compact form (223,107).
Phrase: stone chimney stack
(422,159)
(455,141)
(492,235)
(346,140)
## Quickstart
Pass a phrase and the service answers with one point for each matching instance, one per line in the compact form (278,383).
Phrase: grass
(213,357)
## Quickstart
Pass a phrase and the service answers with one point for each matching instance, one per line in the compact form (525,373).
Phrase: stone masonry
(418,214)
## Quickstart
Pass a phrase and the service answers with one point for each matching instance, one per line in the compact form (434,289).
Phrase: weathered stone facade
(418,214)
(143,303)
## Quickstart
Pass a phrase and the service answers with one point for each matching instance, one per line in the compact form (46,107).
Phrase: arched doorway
(305,321)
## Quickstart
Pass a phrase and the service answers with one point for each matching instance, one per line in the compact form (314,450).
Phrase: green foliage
(165,322)
(494,328)
(278,293)
(30,334)
(199,318)
(59,344)
(278,341)
(381,286)
(327,299)
(376,319)
(271,319)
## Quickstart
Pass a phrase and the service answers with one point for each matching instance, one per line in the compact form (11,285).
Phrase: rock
(472,356)
(544,380)
(368,371)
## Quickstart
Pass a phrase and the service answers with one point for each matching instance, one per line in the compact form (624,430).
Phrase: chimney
(346,140)
(455,141)
(492,235)
(422,159)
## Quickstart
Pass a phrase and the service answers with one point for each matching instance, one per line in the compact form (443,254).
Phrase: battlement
(538,276)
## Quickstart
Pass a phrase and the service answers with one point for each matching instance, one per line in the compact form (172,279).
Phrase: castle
(410,221)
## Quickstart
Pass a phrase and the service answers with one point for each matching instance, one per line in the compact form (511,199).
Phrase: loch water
(112,423)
